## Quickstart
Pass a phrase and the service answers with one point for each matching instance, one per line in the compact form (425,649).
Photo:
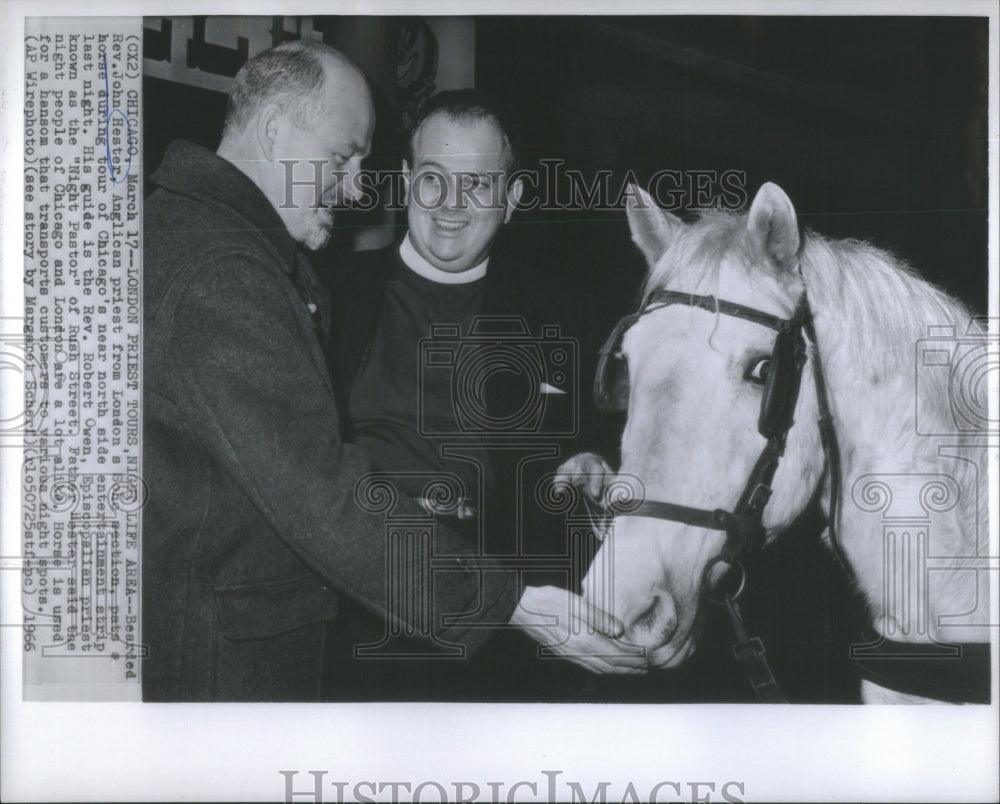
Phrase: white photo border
(132,751)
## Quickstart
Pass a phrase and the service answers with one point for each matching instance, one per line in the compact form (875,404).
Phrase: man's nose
(348,187)
(453,193)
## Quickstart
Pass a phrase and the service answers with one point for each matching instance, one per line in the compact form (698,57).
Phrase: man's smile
(449,225)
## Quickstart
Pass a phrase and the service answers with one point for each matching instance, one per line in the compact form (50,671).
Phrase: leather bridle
(966,680)
(743,525)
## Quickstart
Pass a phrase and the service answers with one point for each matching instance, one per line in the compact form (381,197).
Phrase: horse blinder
(611,382)
(781,391)
(743,525)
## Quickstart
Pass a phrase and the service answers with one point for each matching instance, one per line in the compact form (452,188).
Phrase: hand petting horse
(765,367)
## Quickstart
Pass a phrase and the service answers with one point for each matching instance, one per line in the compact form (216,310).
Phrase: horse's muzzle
(654,626)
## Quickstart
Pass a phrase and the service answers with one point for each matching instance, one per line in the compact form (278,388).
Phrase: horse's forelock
(694,262)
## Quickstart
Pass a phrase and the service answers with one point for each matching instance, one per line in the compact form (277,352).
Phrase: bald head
(299,124)
(297,77)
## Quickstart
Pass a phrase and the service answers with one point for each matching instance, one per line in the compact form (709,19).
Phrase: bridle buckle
(758,499)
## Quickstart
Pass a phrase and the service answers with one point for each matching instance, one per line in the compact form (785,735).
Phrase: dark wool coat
(251,531)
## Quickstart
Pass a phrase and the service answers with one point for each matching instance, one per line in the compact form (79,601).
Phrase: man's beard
(318,235)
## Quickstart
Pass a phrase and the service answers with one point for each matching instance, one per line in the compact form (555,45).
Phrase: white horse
(905,372)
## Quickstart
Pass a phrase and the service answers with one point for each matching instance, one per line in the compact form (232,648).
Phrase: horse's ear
(773,222)
(652,228)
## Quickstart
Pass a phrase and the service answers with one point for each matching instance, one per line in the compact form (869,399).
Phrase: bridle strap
(713,305)
(962,681)
(751,656)
(750,508)
(831,448)
(697,517)
(743,526)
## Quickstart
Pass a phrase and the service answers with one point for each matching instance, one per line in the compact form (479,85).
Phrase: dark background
(876,129)
(874,126)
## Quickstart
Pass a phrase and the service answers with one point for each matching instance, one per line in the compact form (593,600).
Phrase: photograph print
(577,359)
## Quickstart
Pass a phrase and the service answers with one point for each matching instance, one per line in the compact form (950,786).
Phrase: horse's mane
(884,309)
(882,306)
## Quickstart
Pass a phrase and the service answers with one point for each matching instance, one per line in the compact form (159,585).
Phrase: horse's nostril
(668,617)
(647,619)
(659,620)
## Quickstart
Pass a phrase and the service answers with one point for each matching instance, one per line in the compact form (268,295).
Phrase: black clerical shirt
(403,415)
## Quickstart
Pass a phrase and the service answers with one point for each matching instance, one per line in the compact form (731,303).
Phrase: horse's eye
(759,371)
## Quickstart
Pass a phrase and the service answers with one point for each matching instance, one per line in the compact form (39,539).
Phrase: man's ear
(406,182)
(514,192)
(268,129)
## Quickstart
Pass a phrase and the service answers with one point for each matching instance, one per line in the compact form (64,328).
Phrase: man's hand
(576,630)
(591,474)
(588,472)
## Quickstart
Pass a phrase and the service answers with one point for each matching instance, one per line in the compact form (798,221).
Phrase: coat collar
(194,171)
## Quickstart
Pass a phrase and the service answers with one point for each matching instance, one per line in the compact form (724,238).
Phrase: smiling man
(459,192)
(458,199)
(443,350)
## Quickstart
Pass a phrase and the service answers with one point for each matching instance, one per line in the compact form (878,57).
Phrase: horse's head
(696,377)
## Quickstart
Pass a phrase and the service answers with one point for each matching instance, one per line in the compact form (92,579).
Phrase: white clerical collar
(422,267)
